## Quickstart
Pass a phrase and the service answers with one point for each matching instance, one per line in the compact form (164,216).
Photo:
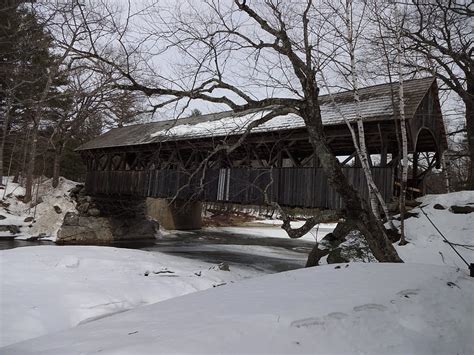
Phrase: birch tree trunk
(375,196)
(444,166)
(403,131)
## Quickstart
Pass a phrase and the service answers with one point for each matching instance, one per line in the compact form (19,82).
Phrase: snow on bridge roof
(376,105)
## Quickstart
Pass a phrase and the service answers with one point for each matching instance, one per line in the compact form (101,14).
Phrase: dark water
(10,243)
(261,253)
(219,246)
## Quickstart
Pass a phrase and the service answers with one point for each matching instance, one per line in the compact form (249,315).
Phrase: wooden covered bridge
(177,158)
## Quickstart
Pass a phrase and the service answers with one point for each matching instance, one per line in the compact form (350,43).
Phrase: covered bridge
(176,158)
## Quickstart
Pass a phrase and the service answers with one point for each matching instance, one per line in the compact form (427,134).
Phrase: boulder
(71,219)
(462,209)
(87,231)
(439,207)
(75,190)
(78,229)
(335,257)
(28,219)
(94,212)
(13,229)
(223,266)
(83,207)
(57,209)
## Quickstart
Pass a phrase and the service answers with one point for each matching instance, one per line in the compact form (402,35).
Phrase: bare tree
(87,98)
(347,35)
(277,41)
(439,40)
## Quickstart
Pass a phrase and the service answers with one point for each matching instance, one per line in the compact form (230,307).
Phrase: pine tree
(28,85)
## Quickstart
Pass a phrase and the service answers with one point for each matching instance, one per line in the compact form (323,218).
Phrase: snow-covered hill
(353,309)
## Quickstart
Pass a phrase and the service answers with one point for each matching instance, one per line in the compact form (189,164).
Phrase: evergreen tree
(29,86)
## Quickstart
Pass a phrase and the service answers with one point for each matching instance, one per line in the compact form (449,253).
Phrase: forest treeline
(49,102)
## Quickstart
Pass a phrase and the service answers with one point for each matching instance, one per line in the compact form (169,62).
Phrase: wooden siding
(293,187)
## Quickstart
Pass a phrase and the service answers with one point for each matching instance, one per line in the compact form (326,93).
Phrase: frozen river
(264,248)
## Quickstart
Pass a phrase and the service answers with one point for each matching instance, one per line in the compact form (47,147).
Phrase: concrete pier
(179,215)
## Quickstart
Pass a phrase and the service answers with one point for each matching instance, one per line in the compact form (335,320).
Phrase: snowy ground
(359,309)
(426,245)
(49,288)
(422,307)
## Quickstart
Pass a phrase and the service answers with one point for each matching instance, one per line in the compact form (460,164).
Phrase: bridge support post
(179,215)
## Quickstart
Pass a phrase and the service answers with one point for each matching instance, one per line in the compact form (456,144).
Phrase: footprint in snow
(370,307)
(315,321)
(336,315)
(408,293)
(306,322)
(70,262)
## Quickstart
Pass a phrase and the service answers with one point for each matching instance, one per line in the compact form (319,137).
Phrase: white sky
(159,62)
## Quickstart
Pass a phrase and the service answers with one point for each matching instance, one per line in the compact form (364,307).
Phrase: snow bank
(272,229)
(49,288)
(47,219)
(426,245)
(358,309)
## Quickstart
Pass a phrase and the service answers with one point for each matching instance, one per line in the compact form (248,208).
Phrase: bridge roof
(375,101)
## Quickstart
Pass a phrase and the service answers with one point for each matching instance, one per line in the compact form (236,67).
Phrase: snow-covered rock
(48,214)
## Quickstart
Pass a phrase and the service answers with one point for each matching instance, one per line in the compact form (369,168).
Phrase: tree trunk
(356,208)
(6,122)
(469,102)
(58,153)
(403,132)
(24,155)
(315,255)
(445,169)
(30,165)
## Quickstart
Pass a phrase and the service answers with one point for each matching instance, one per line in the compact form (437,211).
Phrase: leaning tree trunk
(469,102)
(375,196)
(356,208)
